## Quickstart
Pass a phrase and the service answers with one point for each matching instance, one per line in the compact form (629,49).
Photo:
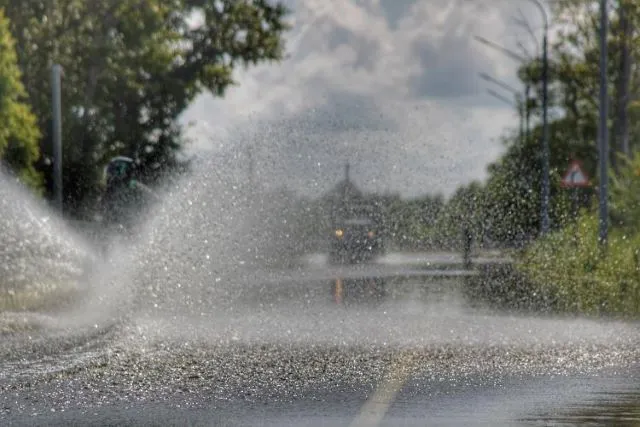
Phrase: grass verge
(580,275)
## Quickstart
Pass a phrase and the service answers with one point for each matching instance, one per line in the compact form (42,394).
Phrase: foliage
(411,223)
(131,68)
(19,134)
(571,266)
(513,189)
(463,211)
(625,195)
(577,67)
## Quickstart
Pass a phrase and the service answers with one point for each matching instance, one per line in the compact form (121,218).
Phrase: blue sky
(391,86)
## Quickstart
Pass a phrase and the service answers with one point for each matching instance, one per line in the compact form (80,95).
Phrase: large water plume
(197,271)
(208,240)
(40,254)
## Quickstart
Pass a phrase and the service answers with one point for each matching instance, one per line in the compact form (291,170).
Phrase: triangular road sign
(575,176)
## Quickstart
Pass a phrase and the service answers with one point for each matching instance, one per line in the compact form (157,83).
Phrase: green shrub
(581,276)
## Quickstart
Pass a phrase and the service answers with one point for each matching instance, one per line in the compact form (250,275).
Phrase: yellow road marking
(339,291)
(374,410)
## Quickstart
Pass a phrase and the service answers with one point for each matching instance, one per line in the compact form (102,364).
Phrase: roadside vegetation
(568,268)
(582,275)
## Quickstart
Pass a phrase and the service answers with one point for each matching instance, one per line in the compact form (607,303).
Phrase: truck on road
(355,240)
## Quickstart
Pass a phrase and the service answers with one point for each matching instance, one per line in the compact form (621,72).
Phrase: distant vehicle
(124,194)
(355,240)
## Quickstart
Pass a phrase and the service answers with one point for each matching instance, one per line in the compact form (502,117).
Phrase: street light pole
(503,85)
(545,135)
(56,92)
(545,120)
(603,144)
(511,54)
(545,108)
(527,90)
(519,105)
(500,97)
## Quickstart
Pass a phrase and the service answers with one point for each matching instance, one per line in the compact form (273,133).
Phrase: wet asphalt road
(295,355)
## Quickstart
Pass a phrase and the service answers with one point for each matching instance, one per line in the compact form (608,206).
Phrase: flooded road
(294,355)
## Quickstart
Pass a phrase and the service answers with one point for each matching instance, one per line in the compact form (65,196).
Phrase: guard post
(467,240)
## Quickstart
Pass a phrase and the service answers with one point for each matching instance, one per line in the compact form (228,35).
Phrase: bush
(581,276)
(504,287)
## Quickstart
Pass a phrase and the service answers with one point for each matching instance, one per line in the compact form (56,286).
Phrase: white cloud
(390,85)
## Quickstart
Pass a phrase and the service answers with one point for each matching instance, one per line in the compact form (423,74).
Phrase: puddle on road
(619,406)
(608,409)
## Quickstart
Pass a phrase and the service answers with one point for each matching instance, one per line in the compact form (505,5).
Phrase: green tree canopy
(19,132)
(131,68)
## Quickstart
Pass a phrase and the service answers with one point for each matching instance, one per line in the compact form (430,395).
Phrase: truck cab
(355,240)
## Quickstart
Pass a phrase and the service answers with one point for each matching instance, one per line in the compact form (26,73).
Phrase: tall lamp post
(545,107)
(520,104)
(545,119)
(56,94)
(522,60)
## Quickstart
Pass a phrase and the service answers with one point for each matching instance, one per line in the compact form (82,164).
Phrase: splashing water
(209,234)
(206,238)
(40,254)
(196,270)
(212,233)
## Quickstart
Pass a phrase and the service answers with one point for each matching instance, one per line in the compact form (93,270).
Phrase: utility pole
(56,82)
(544,211)
(517,105)
(545,136)
(511,54)
(527,89)
(545,121)
(603,131)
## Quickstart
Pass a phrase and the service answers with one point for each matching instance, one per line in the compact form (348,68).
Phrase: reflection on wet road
(320,352)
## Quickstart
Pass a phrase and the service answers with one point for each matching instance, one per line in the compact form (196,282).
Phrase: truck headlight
(339,233)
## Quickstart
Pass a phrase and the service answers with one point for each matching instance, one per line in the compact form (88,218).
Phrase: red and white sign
(575,176)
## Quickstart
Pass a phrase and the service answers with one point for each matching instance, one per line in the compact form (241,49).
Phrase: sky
(390,86)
